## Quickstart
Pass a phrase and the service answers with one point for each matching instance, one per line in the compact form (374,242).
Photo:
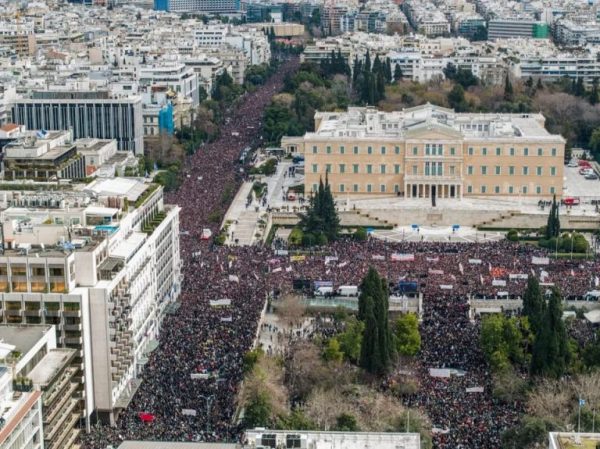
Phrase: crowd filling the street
(198,364)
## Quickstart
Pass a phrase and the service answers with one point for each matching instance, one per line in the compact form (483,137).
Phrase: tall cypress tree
(553,224)
(388,70)
(397,72)
(533,304)
(374,294)
(370,357)
(508,89)
(550,353)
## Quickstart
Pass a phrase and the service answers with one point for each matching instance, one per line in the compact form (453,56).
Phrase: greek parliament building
(430,151)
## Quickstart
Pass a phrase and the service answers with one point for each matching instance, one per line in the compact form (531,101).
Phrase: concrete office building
(430,151)
(212,6)
(88,113)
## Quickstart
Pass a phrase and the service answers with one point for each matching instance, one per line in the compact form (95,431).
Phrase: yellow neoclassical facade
(431,151)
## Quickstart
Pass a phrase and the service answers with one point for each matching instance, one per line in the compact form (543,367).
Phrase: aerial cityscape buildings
(299,224)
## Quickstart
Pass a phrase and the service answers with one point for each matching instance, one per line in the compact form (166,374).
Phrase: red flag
(146,417)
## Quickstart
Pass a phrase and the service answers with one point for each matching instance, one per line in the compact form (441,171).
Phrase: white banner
(227,319)
(377,257)
(446,286)
(540,260)
(474,390)
(499,283)
(220,302)
(330,259)
(436,271)
(475,261)
(342,265)
(188,412)
(432,259)
(400,257)
(277,270)
(233,278)
(516,276)
(288,269)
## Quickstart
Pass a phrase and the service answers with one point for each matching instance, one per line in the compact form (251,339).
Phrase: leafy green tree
(406,331)
(360,234)
(456,99)
(351,339)
(332,351)
(531,432)
(594,142)
(346,423)
(258,411)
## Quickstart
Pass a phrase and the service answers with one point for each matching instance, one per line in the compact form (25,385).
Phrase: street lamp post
(208,399)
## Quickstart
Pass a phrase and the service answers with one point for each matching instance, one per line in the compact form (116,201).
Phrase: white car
(587,171)
(573,163)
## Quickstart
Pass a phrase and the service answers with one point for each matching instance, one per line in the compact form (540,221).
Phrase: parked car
(591,176)
(586,171)
(573,163)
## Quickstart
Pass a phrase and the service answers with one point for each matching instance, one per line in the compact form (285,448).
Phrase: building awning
(593,316)
(128,394)
(151,346)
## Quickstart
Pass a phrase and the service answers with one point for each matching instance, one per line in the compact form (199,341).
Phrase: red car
(570,201)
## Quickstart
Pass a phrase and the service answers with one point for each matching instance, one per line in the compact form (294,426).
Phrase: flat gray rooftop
(174,445)
(23,337)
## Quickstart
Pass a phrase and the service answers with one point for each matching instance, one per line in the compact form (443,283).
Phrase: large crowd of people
(190,384)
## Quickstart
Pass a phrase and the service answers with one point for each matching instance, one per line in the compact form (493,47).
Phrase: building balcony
(65,400)
(72,313)
(73,327)
(53,312)
(32,312)
(73,340)
(14,312)
(65,419)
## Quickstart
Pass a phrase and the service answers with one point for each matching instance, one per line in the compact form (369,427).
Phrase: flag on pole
(581,402)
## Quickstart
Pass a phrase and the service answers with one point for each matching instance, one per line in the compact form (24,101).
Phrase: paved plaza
(436,234)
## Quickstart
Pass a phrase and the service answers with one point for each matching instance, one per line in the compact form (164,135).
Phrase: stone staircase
(246,227)
(499,221)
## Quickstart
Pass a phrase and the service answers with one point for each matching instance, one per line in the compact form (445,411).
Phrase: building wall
(103,119)
(390,164)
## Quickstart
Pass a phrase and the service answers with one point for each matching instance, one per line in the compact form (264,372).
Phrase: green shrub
(308,239)
(360,234)
(296,237)
(321,239)
(513,235)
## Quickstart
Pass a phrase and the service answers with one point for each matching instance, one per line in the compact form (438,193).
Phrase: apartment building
(101,265)
(21,413)
(88,113)
(36,364)
(431,151)
(213,6)
(176,77)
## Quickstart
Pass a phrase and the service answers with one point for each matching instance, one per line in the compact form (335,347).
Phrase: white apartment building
(102,266)
(21,414)
(174,76)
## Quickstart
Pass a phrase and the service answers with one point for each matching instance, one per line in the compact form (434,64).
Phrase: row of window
(523,190)
(355,168)
(369,188)
(539,171)
(438,150)
(431,169)
(355,188)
